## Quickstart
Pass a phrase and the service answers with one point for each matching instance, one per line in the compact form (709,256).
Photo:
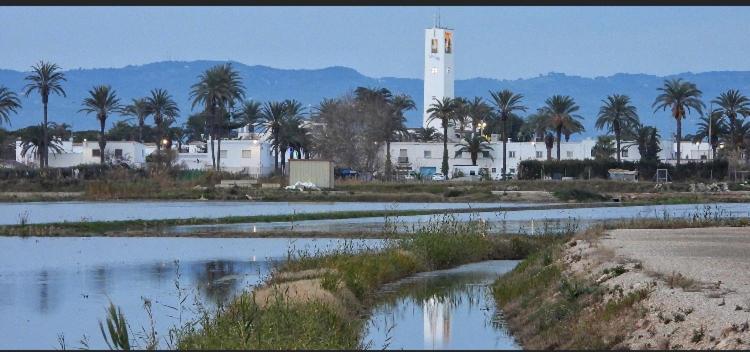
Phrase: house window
(511,154)
(434,46)
(704,157)
(494,170)
(95,152)
(427,154)
(402,152)
(569,154)
(538,155)
(624,153)
(118,153)
(513,171)
(485,154)
(247,153)
(223,153)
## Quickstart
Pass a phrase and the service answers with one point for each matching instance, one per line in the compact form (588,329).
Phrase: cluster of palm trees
(558,118)
(220,95)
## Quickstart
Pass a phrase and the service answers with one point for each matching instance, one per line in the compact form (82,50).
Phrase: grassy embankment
(549,307)
(122,185)
(321,301)
(159,228)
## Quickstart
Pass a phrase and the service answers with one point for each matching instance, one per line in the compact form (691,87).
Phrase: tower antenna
(438,18)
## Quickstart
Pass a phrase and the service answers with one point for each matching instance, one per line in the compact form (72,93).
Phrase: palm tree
(45,78)
(603,148)
(646,138)
(680,96)
(138,108)
(560,112)
(271,116)
(429,134)
(394,125)
(161,105)
(217,89)
(32,141)
(712,128)
(506,104)
(102,101)
(549,143)
(733,104)
(444,111)
(248,114)
(9,103)
(289,128)
(618,115)
(479,112)
(474,144)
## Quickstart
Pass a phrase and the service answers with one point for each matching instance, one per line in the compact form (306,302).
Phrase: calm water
(524,221)
(51,286)
(42,212)
(447,309)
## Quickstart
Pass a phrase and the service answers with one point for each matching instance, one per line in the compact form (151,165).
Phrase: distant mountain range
(311,86)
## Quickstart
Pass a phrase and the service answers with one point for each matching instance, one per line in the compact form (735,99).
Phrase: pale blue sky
(494,42)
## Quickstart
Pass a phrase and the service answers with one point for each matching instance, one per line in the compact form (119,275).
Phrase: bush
(590,168)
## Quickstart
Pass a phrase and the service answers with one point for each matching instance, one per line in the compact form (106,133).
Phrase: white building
(426,157)
(88,152)
(438,68)
(249,154)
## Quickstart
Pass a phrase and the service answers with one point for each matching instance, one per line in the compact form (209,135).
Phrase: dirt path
(700,282)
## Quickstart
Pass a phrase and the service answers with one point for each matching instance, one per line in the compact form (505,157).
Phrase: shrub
(590,168)
(578,195)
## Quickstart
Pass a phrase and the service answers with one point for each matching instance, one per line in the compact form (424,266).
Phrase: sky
(492,42)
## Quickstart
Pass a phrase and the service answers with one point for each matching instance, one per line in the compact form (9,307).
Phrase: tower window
(448,42)
(448,69)
(434,70)
(434,46)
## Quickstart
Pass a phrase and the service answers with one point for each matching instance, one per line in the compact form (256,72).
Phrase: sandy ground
(699,281)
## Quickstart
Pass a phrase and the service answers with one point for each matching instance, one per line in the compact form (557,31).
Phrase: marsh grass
(349,271)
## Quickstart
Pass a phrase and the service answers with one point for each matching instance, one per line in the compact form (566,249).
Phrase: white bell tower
(438,68)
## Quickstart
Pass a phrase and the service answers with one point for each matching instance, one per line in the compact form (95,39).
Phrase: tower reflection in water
(437,323)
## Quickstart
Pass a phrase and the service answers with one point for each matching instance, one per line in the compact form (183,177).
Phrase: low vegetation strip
(580,295)
(320,300)
(159,228)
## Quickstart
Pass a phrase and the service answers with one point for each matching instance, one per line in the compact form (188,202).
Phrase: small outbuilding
(622,175)
(318,172)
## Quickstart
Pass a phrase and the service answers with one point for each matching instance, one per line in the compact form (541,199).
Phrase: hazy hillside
(311,86)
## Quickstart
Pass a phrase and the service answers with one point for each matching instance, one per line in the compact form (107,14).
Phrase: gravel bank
(699,280)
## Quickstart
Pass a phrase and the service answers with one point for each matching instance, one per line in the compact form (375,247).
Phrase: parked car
(499,176)
(411,176)
(438,177)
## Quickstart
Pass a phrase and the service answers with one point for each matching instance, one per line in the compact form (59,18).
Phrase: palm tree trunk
(505,146)
(679,139)
(444,166)
(102,142)
(283,159)
(388,165)
(617,139)
(140,131)
(559,137)
(549,153)
(218,156)
(44,160)
(474,158)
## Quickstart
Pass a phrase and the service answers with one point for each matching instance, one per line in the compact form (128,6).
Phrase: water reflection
(450,309)
(51,286)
